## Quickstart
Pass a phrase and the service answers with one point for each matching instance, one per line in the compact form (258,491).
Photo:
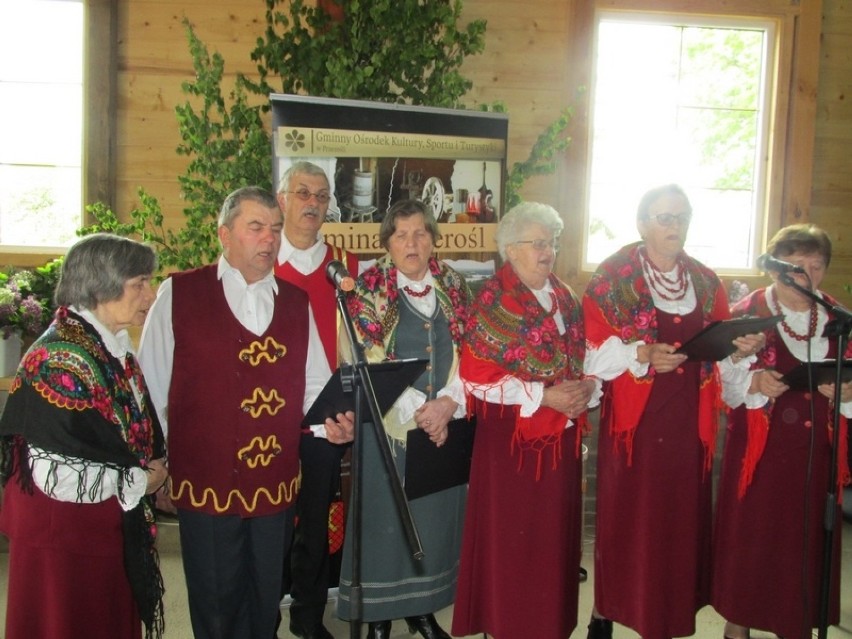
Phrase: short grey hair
(642,211)
(302,167)
(519,217)
(97,266)
(231,206)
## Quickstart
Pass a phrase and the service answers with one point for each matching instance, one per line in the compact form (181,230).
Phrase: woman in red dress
(522,363)
(768,542)
(658,425)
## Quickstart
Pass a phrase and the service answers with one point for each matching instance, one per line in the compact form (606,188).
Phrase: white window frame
(768,115)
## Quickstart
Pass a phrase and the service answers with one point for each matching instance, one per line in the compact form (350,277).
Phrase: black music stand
(838,328)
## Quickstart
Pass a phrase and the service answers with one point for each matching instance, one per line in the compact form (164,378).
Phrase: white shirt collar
(306,261)
(224,268)
(118,344)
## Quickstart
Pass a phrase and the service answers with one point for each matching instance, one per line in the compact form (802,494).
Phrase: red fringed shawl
(618,303)
(509,334)
(758,419)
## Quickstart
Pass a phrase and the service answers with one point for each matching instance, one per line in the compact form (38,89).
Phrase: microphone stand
(838,328)
(356,378)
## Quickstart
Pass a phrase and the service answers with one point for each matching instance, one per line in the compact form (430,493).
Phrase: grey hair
(519,217)
(302,167)
(655,194)
(97,266)
(231,206)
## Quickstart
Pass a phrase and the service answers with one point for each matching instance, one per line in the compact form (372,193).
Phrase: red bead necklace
(812,324)
(414,293)
(671,289)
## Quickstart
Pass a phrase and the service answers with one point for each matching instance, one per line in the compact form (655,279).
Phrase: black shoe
(378,630)
(317,632)
(599,628)
(584,575)
(426,626)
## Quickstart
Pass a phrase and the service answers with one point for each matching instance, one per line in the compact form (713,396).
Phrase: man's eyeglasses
(669,219)
(305,195)
(541,245)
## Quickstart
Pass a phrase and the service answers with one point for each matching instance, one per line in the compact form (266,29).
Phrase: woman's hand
(845,391)
(768,382)
(570,397)
(748,345)
(434,416)
(156,473)
(342,430)
(660,356)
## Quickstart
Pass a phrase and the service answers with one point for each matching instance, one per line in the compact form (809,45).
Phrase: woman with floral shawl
(409,305)
(522,365)
(659,418)
(82,450)
(768,542)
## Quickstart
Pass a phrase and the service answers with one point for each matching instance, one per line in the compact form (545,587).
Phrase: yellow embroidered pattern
(268,350)
(259,402)
(285,493)
(259,452)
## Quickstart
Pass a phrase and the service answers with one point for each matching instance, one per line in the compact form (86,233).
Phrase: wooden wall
(534,61)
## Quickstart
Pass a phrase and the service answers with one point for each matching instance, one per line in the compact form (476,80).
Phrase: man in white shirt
(232,358)
(304,195)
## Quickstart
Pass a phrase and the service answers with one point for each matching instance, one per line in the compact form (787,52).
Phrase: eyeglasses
(305,195)
(669,219)
(542,245)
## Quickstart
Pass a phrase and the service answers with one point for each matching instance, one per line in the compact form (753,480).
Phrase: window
(685,99)
(41,88)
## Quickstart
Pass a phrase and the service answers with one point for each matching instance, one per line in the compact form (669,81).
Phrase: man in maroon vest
(233,358)
(304,194)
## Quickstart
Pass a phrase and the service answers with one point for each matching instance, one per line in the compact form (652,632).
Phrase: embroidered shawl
(510,334)
(374,305)
(758,420)
(617,302)
(73,399)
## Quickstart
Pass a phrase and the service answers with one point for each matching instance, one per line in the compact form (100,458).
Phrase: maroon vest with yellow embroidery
(235,400)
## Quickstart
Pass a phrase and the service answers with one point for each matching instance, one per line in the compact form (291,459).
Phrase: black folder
(713,342)
(430,469)
(390,378)
(820,372)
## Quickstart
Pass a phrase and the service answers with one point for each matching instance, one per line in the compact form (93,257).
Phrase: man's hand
(342,430)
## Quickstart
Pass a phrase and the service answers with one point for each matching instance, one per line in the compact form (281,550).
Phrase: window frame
(100,74)
(789,172)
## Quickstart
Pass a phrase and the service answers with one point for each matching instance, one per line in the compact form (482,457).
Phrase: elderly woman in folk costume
(768,540)
(82,454)
(409,305)
(522,364)
(659,417)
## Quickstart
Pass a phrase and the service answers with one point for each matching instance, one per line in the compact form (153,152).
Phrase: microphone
(767,262)
(339,276)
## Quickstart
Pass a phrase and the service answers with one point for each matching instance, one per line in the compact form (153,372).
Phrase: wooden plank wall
(831,200)
(526,65)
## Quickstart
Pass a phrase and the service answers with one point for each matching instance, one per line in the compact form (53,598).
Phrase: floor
(709,624)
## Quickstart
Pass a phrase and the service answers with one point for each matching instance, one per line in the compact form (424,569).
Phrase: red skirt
(66,569)
(521,542)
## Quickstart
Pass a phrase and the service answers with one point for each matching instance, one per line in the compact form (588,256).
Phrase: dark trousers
(309,560)
(233,572)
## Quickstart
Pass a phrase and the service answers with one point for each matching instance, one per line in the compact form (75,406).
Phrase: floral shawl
(73,399)
(374,305)
(618,303)
(510,334)
(758,420)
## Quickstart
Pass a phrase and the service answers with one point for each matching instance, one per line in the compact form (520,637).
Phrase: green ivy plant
(367,55)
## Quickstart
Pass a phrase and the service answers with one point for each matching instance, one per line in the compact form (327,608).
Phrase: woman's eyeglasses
(669,219)
(542,245)
(305,195)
